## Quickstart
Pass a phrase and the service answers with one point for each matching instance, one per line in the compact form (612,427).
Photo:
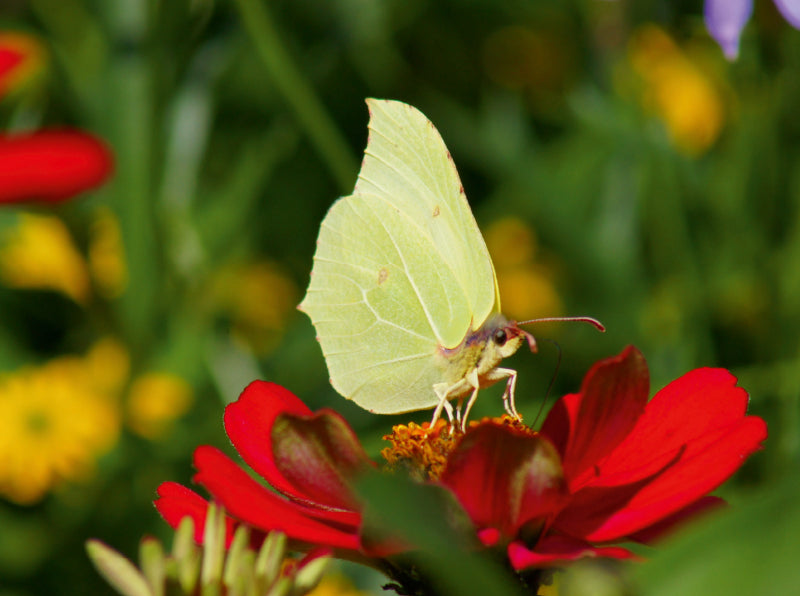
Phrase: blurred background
(618,165)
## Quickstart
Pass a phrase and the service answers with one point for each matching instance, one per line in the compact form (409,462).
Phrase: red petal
(254,504)
(176,502)
(489,536)
(589,425)
(552,550)
(503,478)
(319,455)
(51,165)
(705,464)
(701,417)
(248,422)
(700,402)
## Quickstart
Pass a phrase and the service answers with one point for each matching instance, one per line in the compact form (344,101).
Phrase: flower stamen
(422,451)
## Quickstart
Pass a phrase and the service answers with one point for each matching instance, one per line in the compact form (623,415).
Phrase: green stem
(298,93)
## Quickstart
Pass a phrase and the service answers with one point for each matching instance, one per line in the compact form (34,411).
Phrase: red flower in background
(607,466)
(21,57)
(46,165)
(51,165)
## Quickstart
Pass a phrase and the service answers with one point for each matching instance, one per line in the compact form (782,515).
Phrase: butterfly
(403,292)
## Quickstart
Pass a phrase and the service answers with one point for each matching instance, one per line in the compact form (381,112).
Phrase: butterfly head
(499,338)
(507,338)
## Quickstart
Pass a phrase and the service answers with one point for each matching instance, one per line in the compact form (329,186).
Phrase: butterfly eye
(500,337)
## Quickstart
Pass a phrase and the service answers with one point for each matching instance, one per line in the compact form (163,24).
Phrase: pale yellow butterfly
(403,293)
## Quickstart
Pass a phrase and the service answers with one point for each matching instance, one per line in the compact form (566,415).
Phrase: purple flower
(725,20)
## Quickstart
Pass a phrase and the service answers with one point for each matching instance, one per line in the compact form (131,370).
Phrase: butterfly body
(474,364)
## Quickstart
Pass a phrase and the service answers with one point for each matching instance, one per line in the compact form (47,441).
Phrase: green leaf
(747,549)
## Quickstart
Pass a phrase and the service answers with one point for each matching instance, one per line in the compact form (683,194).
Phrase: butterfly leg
(510,390)
(473,380)
(442,391)
(510,375)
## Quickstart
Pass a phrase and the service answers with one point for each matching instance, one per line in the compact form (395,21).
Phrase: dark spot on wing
(436,211)
(383,275)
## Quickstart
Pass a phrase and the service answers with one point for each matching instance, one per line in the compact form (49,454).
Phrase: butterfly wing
(407,162)
(400,268)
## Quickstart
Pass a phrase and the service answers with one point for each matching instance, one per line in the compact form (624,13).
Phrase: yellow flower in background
(511,242)
(677,90)
(258,298)
(526,286)
(22,57)
(55,421)
(155,401)
(107,255)
(108,363)
(38,253)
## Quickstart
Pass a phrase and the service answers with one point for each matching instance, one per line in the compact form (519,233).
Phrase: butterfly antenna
(552,381)
(592,321)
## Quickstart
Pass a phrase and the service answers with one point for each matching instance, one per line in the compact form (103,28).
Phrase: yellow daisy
(54,423)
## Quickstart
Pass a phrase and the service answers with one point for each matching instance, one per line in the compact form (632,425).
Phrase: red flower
(607,466)
(21,57)
(309,465)
(51,165)
(635,468)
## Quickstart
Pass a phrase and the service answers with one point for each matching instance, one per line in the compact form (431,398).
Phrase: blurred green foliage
(236,123)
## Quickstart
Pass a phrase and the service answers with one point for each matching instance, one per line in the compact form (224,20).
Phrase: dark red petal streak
(554,549)
(319,455)
(254,504)
(51,165)
(248,422)
(612,398)
(503,478)
(175,502)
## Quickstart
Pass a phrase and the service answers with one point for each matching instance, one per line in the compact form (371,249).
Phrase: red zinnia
(51,165)
(607,466)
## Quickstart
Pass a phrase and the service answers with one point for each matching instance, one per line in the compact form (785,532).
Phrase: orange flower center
(422,452)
